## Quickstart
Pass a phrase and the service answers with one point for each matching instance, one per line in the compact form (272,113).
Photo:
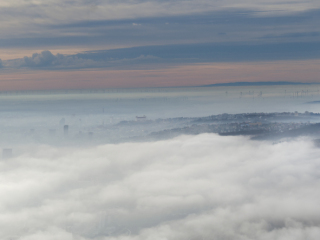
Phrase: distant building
(65,129)
(141,119)
(6,153)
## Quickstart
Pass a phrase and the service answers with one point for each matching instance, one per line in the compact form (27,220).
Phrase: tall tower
(65,129)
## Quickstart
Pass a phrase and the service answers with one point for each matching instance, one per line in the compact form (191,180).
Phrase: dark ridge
(313,102)
(236,84)
(313,129)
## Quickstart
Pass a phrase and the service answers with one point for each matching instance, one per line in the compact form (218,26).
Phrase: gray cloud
(46,60)
(201,187)
(299,35)
(168,55)
(240,34)
(223,17)
(209,52)
(219,26)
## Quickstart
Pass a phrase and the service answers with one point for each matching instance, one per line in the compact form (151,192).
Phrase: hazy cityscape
(72,154)
(159,120)
(256,125)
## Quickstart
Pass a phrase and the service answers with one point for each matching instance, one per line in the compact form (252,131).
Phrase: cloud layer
(167,56)
(110,24)
(46,59)
(191,187)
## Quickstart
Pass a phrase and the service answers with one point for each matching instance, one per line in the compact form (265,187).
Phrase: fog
(93,116)
(190,187)
(99,181)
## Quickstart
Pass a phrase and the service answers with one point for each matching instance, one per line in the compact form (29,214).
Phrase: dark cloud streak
(235,26)
(169,55)
(218,17)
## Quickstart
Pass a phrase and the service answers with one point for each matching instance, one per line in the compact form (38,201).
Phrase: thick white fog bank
(191,187)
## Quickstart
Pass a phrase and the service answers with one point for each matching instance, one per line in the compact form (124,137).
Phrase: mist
(159,120)
(143,164)
(97,117)
(190,187)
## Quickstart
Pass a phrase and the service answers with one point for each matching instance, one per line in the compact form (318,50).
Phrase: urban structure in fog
(65,129)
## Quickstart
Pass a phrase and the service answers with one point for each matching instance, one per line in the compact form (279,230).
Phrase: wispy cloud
(138,23)
(167,55)
(157,34)
(46,60)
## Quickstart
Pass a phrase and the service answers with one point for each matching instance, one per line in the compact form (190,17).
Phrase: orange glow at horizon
(185,75)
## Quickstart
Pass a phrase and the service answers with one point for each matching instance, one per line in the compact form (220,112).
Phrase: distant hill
(256,84)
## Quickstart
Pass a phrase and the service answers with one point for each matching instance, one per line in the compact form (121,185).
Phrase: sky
(59,44)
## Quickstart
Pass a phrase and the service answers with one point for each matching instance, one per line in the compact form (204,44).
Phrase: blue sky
(160,34)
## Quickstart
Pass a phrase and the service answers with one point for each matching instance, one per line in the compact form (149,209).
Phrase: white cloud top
(191,187)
